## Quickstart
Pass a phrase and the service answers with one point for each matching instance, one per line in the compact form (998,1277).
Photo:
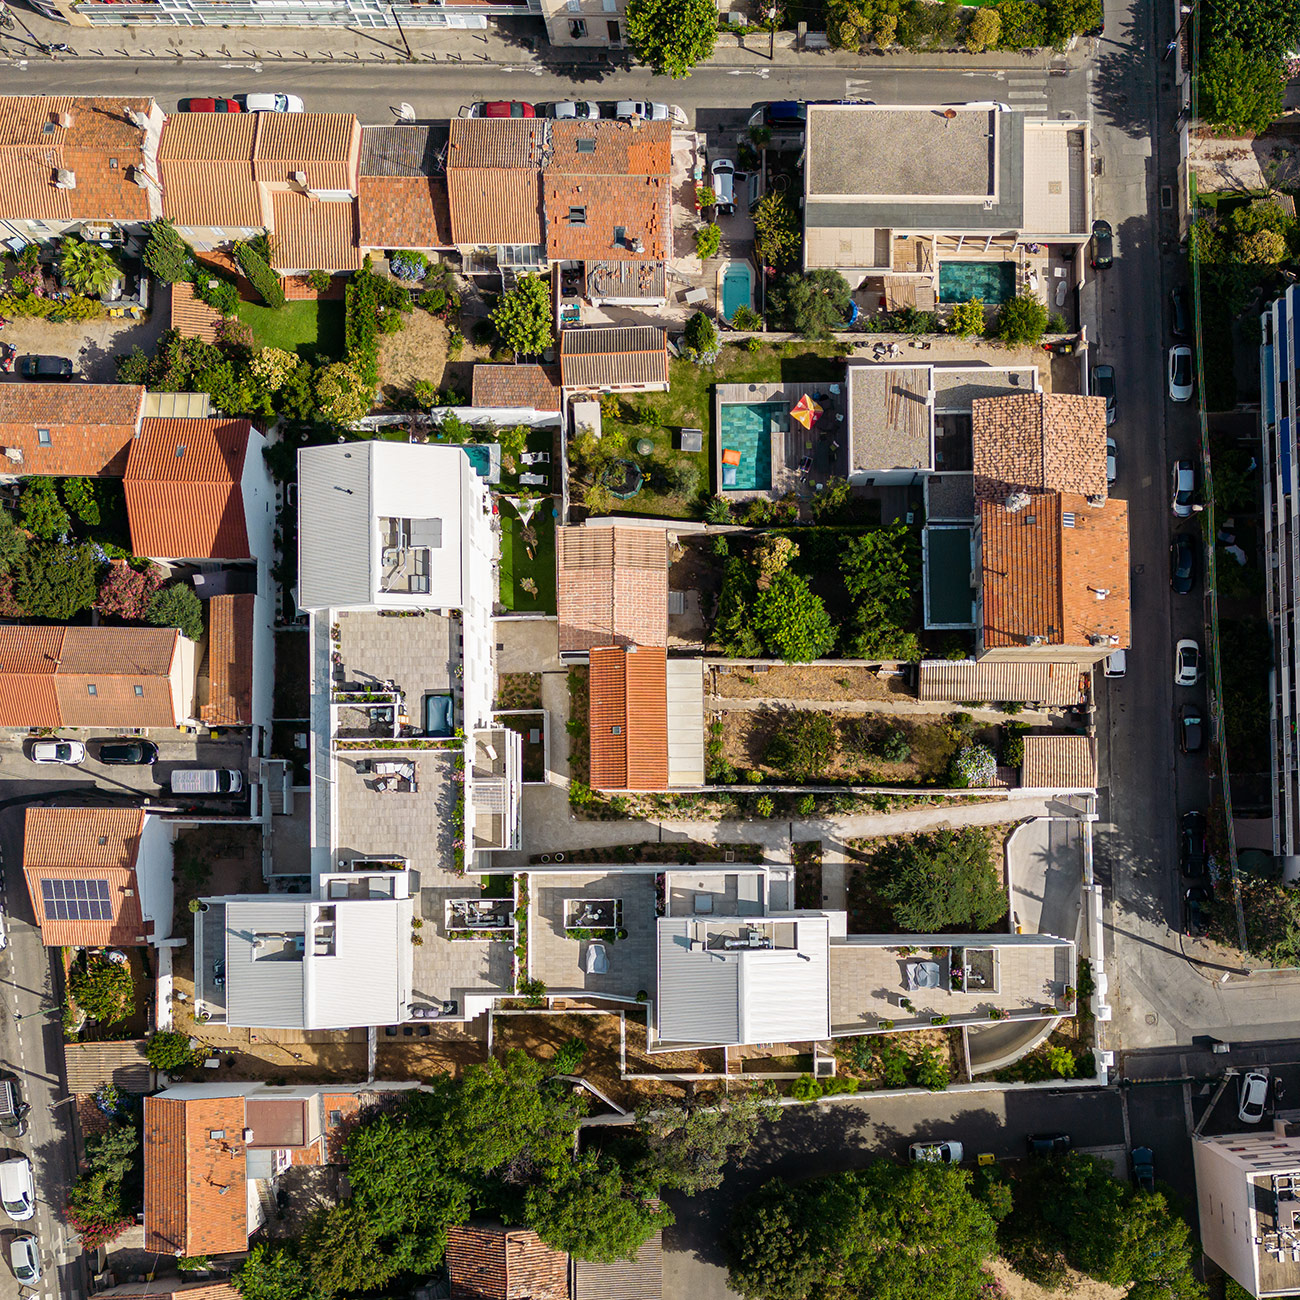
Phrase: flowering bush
(126,592)
(408,265)
(96,1234)
(972,765)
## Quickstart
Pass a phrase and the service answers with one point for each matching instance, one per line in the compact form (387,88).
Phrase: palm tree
(87,268)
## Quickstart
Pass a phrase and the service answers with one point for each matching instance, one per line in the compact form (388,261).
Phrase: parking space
(92,346)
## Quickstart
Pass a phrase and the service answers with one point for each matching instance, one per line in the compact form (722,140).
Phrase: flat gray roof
(890,425)
(955,388)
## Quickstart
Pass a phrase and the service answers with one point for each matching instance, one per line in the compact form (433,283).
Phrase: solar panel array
(77,900)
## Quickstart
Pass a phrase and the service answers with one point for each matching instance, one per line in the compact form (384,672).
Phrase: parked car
(1048,1144)
(127,752)
(1180,373)
(1252,1096)
(206,780)
(722,179)
(1191,729)
(1184,488)
(1191,845)
(1103,385)
(25,1256)
(1195,922)
(277,103)
(1116,664)
(781,114)
(626,109)
(13,1109)
(17,1189)
(1103,245)
(56,369)
(1144,1168)
(939,1153)
(57,751)
(1180,316)
(1187,663)
(208,106)
(583,110)
(1112,460)
(502,108)
(1182,563)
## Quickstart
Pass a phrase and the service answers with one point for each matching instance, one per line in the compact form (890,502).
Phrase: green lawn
(311,329)
(516,566)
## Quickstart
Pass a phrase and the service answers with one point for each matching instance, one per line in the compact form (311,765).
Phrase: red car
(208,106)
(503,108)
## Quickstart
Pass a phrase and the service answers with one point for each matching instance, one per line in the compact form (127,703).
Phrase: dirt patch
(447,1049)
(707,1061)
(1076,1285)
(519,691)
(807,858)
(808,683)
(697,574)
(418,351)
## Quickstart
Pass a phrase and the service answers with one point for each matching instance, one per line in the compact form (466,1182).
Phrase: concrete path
(1045,868)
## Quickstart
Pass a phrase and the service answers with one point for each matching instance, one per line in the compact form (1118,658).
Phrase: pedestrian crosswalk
(1025,92)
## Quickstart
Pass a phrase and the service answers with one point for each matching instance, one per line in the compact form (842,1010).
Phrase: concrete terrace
(419,654)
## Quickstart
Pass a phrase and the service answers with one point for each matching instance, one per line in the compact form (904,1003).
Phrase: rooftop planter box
(592,914)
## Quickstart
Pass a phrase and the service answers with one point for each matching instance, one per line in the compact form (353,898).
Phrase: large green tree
(690,1144)
(345,1250)
(812,304)
(1241,88)
(87,268)
(792,621)
(56,581)
(273,1272)
(672,36)
(523,317)
(889,1231)
(943,881)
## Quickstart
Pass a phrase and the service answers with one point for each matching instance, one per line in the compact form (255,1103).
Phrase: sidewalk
(516,44)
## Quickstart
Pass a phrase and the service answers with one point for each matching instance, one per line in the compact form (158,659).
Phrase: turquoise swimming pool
(995,282)
(480,456)
(747,428)
(737,289)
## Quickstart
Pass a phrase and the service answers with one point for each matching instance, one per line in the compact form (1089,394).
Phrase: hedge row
(259,273)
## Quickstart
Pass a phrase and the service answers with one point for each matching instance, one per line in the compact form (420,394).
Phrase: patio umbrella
(806,411)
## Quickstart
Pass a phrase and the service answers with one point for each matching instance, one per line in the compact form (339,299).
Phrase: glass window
(43,437)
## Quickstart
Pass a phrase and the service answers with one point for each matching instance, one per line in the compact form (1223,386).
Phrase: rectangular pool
(747,428)
(994,282)
(949,596)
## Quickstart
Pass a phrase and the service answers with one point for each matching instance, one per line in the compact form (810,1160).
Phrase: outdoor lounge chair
(535,457)
(533,480)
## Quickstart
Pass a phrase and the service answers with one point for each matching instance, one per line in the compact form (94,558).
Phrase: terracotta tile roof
(313,236)
(195,1202)
(230,661)
(620,183)
(1041,569)
(85,844)
(641,1278)
(123,1064)
(404,212)
(623,356)
(46,674)
(532,386)
(628,720)
(100,146)
(1038,442)
(489,1262)
(325,147)
(206,161)
(90,426)
(1035,682)
(612,587)
(494,180)
(184,496)
(1060,762)
(192,316)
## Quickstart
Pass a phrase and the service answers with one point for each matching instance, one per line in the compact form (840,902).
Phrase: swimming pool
(995,282)
(747,428)
(480,456)
(737,289)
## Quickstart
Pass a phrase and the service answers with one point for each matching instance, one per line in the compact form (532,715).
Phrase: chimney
(63,119)
(14,454)
(1016,501)
(64,179)
(136,118)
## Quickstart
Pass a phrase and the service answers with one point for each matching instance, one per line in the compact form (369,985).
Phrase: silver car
(626,109)
(584,110)
(25,1256)
(58,751)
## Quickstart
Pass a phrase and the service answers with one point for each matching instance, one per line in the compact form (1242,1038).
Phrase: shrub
(271,367)
(972,766)
(718,511)
(455,344)
(892,746)
(1023,319)
(408,265)
(259,274)
(705,197)
(217,293)
(746,318)
(983,31)
(103,989)
(126,592)
(1024,24)
(41,510)
(523,317)
(777,229)
(87,268)
(533,991)
(58,581)
(343,393)
(701,338)
(708,239)
(764,806)
(930,1071)
(967,319)
(169,1049)
(320,281)
(806,1088)
(177,606)
(803,746)
(568,1060)
(166,254)
(76,308)
(1013,751)
(434,300)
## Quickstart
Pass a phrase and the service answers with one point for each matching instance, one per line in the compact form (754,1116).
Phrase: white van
(17,1191)
(723,175)
(206,780)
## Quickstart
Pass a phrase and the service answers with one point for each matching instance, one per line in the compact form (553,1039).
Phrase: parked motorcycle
(8,354)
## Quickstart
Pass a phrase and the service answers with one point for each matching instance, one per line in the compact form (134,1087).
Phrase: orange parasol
(806,411)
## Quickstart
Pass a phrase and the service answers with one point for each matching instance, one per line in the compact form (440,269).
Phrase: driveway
(828,1138)
(1045,867)
(92,346)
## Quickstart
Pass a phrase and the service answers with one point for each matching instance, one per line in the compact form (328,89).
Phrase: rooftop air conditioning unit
(64,179)
(63,119)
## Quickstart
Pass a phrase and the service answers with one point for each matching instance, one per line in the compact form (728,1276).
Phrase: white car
(25,1256)
(935,1153)
(583,110)
(1252,1096)
(626,109)
(1112,456)
(1187,663)
(272,104)
(1184,488)
(1180,373)
(58,751)
(1116,664)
